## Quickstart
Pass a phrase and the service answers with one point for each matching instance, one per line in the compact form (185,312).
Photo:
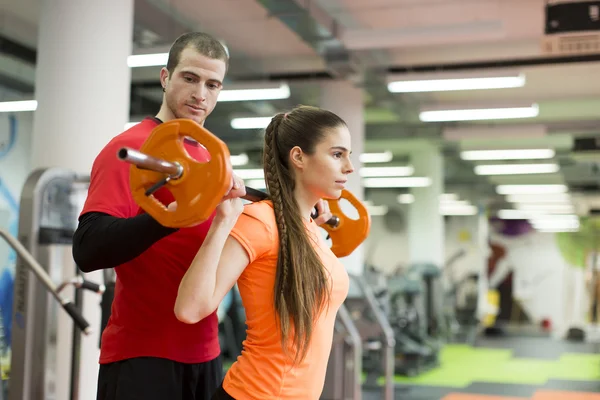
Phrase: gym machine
(344,369)
(413,356)
(47,343)
(376,334)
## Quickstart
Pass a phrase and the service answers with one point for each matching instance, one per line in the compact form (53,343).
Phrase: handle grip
(71,309)
(94,287)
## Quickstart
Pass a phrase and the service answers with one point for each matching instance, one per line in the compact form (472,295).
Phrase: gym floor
(507,368)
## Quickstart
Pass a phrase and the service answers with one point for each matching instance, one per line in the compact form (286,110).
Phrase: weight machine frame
(38,368)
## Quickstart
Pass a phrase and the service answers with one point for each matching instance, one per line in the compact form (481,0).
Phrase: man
(146,353)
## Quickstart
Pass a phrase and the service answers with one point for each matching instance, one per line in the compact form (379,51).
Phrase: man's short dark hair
(203,43)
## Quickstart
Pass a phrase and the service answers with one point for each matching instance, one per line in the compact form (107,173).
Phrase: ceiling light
(512,131)
(556,229)
(516,169)
(409,181)
(251,122)
(547,208)
(386,156)
(516,154)
(386,171)
(448,197)
(477,114)
(458,209)
(536,198)
(147,60)
(18,106)
(239,160)
(258,184)
(377,210)
(249,92)
(531,189)
(405,198)
(512,214)
(250,173)
(455,82)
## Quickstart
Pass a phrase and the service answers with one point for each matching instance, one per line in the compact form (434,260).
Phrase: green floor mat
(462,365)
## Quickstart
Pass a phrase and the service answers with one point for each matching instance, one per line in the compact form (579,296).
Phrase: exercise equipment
(376,333)
(344,369)
(413,355)
(48,356)
(162,161)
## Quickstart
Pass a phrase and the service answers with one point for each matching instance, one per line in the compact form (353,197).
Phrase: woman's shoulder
(262,210)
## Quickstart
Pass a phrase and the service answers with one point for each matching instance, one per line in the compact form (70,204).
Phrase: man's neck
(164,114)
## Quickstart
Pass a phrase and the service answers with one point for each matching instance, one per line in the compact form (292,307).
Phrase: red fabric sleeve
(109,190)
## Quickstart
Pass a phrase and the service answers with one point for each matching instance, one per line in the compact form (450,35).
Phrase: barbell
(163,161)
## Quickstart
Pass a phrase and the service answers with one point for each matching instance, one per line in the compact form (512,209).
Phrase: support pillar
(346,100)
(82,89)
(426,233)
(82,80)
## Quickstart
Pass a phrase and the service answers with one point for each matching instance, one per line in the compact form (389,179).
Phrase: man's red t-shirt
(142,321)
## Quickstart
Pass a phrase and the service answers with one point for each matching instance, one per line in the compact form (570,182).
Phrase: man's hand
(236,188)
(323,211)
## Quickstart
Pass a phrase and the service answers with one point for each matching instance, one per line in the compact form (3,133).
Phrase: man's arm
(102,241)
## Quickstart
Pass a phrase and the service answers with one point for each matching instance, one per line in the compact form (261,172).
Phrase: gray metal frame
(42,332)
(344,369)
(388,338)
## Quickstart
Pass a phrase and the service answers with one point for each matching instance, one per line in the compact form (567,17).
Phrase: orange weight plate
(202,185)
(349,233)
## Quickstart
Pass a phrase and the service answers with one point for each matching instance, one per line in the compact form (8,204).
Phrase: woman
(290,282)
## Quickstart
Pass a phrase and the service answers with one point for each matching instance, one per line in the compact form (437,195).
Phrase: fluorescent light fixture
(250,173)
(543,198)
(256,184)
(377,210)
(18,106)
(247,92)
(531,189)
(516,154)
(477,114)
(370,172)
(512,214)
(147,60)
(240,159)
(548,208)
(384,157)
(553,218)
(459,203)
(455,82)
(458,209)
(405,198)
(511,131)
(408,181)
(556,229)
(251,122)
(556,225)
(365,172)
(154,59)
(448,197)
(516,169)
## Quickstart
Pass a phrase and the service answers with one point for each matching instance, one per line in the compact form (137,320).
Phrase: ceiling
(305,42)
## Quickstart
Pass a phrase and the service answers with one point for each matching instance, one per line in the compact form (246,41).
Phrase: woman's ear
(297,157)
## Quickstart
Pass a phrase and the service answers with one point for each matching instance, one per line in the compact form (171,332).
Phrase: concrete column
(82,80)
(82,89)
(426,233)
